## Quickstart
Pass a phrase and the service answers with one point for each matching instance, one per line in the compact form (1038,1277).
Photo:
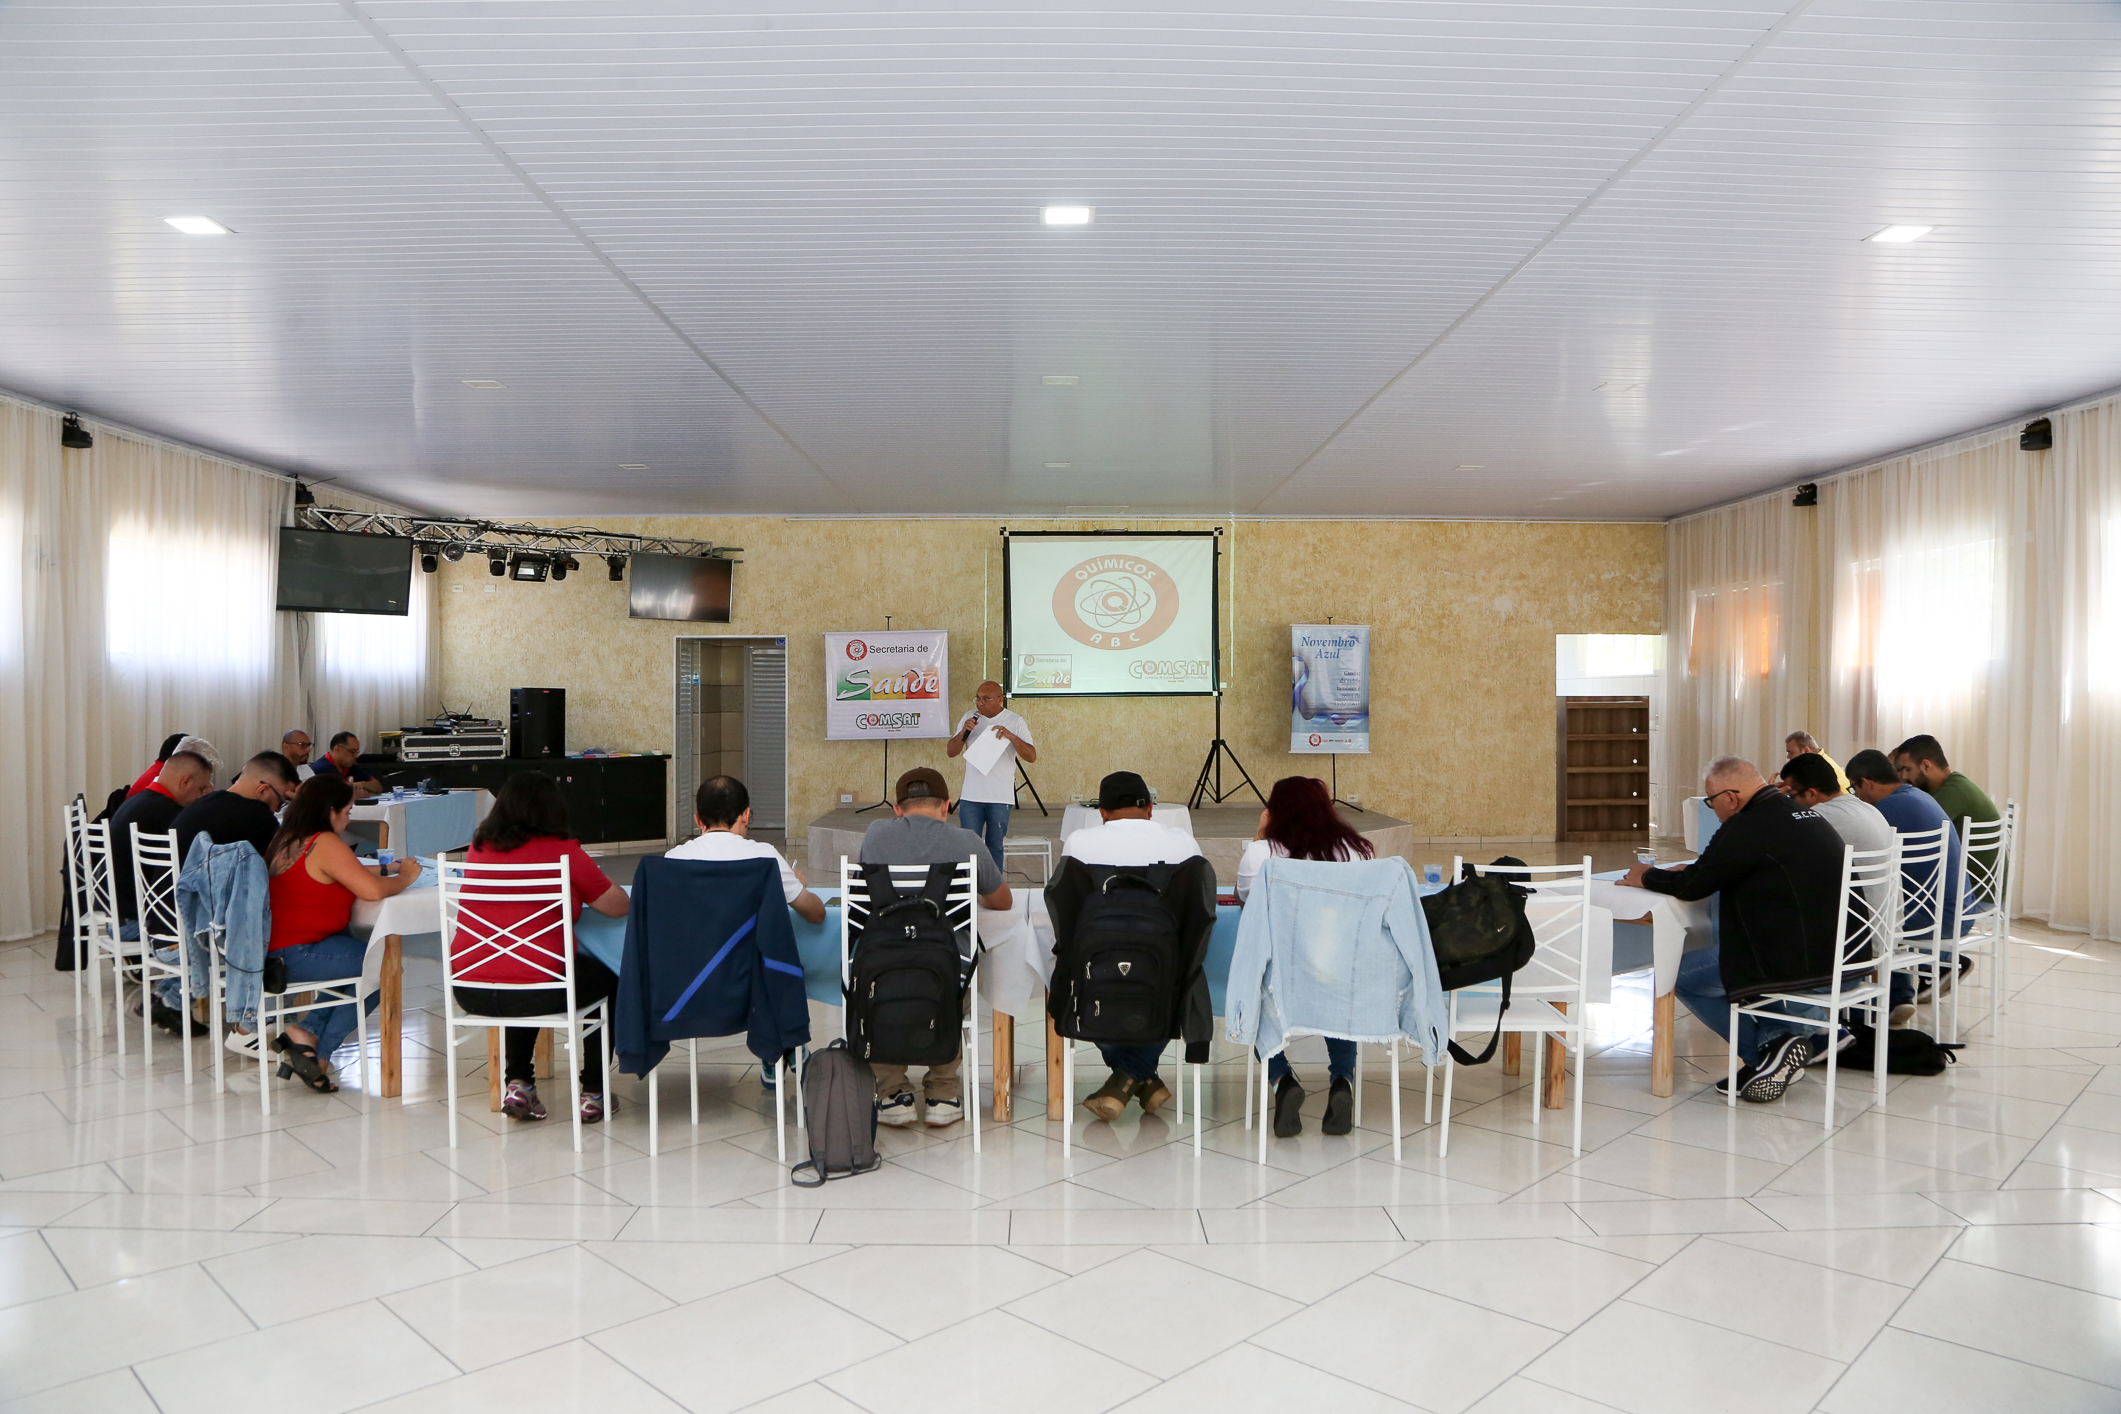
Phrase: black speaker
(2038,436)
(537,721)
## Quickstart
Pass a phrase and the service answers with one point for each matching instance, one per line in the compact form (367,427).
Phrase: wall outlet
(846,797)
(489,589)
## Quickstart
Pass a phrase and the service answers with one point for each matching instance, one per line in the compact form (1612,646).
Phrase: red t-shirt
(478,960)
(147,778)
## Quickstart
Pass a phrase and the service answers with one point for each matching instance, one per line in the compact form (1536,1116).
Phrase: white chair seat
(1476,1013)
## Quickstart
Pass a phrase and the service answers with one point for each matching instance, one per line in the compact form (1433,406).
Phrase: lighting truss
(483,535)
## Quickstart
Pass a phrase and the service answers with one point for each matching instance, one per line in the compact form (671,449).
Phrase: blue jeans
(1340,1061)
(336,956)
(1134,1062)
(988,820)
(1700,987)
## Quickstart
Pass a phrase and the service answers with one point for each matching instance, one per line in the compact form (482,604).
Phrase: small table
(417,912)
(426,824)
(1673,923)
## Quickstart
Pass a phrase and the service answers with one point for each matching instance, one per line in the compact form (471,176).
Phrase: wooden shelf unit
(1602,775)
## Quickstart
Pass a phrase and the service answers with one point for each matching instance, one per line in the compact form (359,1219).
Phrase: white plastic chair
(92,919)
(1981,914)
(1921,950)
(108,949)
(960,913)
(1557,977)
(155,866)
(543,942)
(1030,847)
(1862,950)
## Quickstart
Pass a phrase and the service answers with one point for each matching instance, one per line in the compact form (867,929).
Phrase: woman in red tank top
(315,880)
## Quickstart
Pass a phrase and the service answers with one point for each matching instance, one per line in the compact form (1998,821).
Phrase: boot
(1340,1108)
(1288,1101)
(1111,1097)
(1153,1094)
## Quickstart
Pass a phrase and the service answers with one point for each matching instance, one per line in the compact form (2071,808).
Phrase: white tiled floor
(163,1249)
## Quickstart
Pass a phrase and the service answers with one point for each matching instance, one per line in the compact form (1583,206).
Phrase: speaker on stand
(537,722)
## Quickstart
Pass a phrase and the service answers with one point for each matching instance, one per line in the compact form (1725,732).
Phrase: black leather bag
(1479,931)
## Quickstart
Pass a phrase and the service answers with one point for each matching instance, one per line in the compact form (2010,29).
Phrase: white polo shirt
(1130,842)
(996,786)
(718,846)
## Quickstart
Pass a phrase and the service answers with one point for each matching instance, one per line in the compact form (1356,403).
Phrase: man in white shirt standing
(988,795)
(1130,835)
(722,810)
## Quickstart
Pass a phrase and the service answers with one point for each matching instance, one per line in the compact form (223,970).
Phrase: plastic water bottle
(384,859)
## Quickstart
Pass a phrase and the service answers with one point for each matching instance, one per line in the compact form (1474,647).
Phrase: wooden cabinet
(1602,769)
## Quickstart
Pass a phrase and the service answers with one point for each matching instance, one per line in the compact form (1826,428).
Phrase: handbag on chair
(1480,933)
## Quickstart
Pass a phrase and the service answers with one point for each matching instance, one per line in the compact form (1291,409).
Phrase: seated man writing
(920,832)
(1777,866)
(343,760)
(1913,811)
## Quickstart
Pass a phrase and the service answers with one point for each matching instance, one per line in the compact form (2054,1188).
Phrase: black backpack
(1117,978)
(1907,1052)
(1478,929)
(906,994)
(839,1101)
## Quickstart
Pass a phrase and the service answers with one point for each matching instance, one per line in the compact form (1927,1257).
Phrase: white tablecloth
(1670,921)
(1076,817)
(415,913)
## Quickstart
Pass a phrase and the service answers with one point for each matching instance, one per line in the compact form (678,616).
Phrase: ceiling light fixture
(197,225)
(453,551)
(1471,466)
(428,563)
(1058,466)
(484,384)
(1060,380)
(633,466)
(1900,235)
(617,564)
(529,567)
(1067,215)
(497,563)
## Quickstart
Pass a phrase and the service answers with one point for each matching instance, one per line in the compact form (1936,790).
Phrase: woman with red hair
(1301,823)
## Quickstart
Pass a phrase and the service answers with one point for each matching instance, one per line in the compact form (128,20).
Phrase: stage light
(304,496)
(428,563)
(528,567)
(73,434)
(196,225)
(496,563)
(618,568)
(453,551)
(560,565)
(1067,215)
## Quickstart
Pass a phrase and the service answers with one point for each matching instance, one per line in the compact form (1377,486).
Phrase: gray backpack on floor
(839,1100)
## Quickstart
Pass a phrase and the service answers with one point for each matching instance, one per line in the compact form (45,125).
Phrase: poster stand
(1024,781)
(884,796)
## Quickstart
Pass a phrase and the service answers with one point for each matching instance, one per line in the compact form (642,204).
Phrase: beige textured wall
(1464,616)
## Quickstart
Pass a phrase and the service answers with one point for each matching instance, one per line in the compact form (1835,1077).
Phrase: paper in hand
(986,749)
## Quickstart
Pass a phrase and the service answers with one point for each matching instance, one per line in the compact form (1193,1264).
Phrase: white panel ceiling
(1572,259)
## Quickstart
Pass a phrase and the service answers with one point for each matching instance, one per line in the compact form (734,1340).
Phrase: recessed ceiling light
(633,466)
(1471,466)
(197,225)
(1058,466)
(1067,215)
(484,383)
(1901,235)
(1060,380)
(1100,510)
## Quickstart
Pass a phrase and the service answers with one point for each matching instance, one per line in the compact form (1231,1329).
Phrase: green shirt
(1961,799)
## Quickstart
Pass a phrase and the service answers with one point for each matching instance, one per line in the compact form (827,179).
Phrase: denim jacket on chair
(223,889)
(1335,949)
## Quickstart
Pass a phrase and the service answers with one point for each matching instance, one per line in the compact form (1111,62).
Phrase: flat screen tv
(332,572)
(679,587)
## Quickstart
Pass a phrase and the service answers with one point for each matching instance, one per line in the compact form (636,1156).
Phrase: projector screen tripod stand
(1213,767)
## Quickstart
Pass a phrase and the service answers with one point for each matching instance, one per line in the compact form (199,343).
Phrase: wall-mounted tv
(679,587)
(333,572)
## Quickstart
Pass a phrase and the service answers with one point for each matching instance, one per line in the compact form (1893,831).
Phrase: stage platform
(1222,831)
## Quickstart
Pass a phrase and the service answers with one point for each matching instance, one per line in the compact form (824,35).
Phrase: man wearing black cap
(921,833)
(1130,835)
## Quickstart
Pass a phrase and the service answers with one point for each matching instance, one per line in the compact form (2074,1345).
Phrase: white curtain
(136,600)
(365,673)
(1972,592)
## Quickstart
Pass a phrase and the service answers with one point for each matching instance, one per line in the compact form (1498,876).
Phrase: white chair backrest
(906,878)
(96,872)
(1560,914)
(491,912)
(155,884)
(1923,875)
(1871,882)
(77,890)
(1984,878)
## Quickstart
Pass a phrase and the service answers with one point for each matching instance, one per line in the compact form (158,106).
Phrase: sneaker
(1781,1065)
(1746,1072)
(1152,1093)
(1942,986)
(1340,1108)
(1817,1047)
(595,1108)
(168,1018)
(896,1110)
(1111,1097)
(942,1112)
(520,1101)
(1903,1014)
(1288,1102)
(241,1043)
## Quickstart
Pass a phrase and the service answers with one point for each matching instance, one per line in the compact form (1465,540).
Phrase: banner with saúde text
(886,684)
(1329,691)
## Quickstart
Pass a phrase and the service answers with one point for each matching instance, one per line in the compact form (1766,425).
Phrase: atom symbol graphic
(1116,601)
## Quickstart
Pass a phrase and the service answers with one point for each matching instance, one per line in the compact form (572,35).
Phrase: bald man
(984,803)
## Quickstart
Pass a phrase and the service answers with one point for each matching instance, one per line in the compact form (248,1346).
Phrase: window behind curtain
(188,603)
(1935,634)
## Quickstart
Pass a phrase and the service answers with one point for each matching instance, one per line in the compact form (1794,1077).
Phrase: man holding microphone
(988,796)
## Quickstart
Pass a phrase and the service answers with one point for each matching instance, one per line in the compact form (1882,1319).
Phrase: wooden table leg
(1665,1014)
(1004,1064)
(390,1016)
(1056,1102)
(1512,1052)
(493,1069)
(1557,1058)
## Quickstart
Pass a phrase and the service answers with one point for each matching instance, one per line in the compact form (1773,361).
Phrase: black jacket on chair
(1188,890)
(1778,867)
